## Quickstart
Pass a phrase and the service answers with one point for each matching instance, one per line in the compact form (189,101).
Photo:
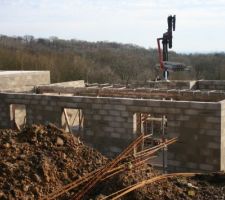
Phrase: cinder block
(89,133)
(206,167)
(114,112)
(213,145)
(119,107)
(146,110)
(213,106)
(192,165)
(61,103)
(124,113)
(96,106)
(174,124)
(173,163)
(108,118)
(170,155)
(183,117)
(97,117)
(52,103)
(119,119)
(184,104)
(140,102)
(134,109)
(213,119)
(206,152)
(103,112)
(127,102)
(115,124)
(115,149)
(120,130)
(109,129)
(77,99)
(107,107)
(37,96)
(34,101)
(198,105)
(48,108)
(72,105)
(153,103)
(191,124)
(168,104)
(173,111)
(160,110)
(191,112)
(115,135)
(128,126)
(216,139)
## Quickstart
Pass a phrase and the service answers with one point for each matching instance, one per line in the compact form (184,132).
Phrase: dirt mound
(202,187)
(39,159)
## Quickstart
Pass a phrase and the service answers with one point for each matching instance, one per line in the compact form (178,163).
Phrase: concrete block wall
(177,84)
(223,135)
(211,84)
(146,93)
(108,124)
(171,84)
(20,79)
(5,121)
(184,84)
(78,83)
(198,127)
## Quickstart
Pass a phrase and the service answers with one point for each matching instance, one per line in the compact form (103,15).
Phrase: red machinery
(167,39)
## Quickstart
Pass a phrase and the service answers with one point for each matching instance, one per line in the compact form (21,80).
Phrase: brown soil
(201,187)
(40,159)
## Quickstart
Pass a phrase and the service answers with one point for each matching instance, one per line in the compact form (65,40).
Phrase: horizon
(199,24)
(121,43)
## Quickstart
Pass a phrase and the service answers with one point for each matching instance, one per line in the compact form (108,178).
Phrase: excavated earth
(40,159)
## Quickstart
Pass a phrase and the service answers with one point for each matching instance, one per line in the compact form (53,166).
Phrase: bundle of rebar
(121,163)
(136,186)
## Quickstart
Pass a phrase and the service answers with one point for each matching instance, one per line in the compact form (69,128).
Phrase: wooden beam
(67,120)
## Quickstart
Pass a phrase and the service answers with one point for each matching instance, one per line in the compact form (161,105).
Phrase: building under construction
(109,117)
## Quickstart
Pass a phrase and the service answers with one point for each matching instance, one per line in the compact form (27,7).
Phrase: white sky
(200,23)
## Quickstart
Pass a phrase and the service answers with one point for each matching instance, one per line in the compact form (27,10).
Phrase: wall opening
(17,116)
(148,123)
(154,125)
(73,121)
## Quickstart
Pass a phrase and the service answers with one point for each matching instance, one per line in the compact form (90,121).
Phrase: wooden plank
(67,120)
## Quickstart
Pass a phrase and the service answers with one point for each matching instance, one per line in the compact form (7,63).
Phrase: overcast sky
(200,23)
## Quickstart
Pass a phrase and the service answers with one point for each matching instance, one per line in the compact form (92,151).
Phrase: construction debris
(44,162)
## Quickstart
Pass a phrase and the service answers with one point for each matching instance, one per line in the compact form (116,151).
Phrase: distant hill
(99,61)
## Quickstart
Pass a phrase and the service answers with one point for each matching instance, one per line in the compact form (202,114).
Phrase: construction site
(98,139)
(161,139)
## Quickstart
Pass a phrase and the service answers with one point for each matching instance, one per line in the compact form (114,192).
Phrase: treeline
(100,61)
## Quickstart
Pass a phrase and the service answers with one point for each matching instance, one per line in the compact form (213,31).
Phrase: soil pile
(202,187)
(39,159)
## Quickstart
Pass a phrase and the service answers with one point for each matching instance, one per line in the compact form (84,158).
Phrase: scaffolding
(155,127)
